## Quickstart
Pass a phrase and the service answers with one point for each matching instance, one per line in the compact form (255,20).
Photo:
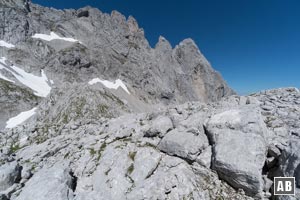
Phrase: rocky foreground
(89,111)
(231,149)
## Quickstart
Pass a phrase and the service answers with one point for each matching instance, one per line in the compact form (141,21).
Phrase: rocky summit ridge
(90,111)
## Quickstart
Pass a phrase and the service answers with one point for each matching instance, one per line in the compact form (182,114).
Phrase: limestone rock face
(13,100)
(117,50)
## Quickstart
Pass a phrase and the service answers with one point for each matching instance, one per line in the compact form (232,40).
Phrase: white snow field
(53,36)
(6,44)
(39,84)
(111,85)
(20,118)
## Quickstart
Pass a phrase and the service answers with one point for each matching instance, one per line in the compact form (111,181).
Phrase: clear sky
(254,44)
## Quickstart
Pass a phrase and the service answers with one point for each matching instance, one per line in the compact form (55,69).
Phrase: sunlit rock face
(90,110)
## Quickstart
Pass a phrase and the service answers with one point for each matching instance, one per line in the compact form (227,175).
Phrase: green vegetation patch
(131,155)
(130,169)
(9,89)
(14,148)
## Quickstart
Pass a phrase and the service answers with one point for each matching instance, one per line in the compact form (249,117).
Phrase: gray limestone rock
(289,162)
(49,183)
(183,144)
(143,142)
(146,161)
(160,126)
(13,100)
(204,158)
(239,147)
(117,50)
(10,173)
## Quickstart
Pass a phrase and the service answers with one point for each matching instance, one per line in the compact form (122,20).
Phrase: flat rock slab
(49,184)
(183,144)
(146,161)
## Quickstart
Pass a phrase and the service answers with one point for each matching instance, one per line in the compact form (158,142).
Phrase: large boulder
(53,183)
(239,147)
(183,144)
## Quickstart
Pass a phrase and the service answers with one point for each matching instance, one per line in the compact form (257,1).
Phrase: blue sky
(254,44)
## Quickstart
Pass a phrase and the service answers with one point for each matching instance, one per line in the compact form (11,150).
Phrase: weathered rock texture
(175,134)
(239,138)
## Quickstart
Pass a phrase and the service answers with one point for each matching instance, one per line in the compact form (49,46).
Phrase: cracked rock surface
(228,149)
(179,132)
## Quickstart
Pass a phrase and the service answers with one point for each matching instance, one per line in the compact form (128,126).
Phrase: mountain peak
(163,44)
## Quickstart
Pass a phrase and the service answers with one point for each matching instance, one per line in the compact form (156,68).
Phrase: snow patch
(111,85)
(53,36)
(36,83)
(39,84)
(6,44)
(20,118)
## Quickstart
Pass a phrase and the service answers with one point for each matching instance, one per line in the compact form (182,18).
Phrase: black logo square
(284,186)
